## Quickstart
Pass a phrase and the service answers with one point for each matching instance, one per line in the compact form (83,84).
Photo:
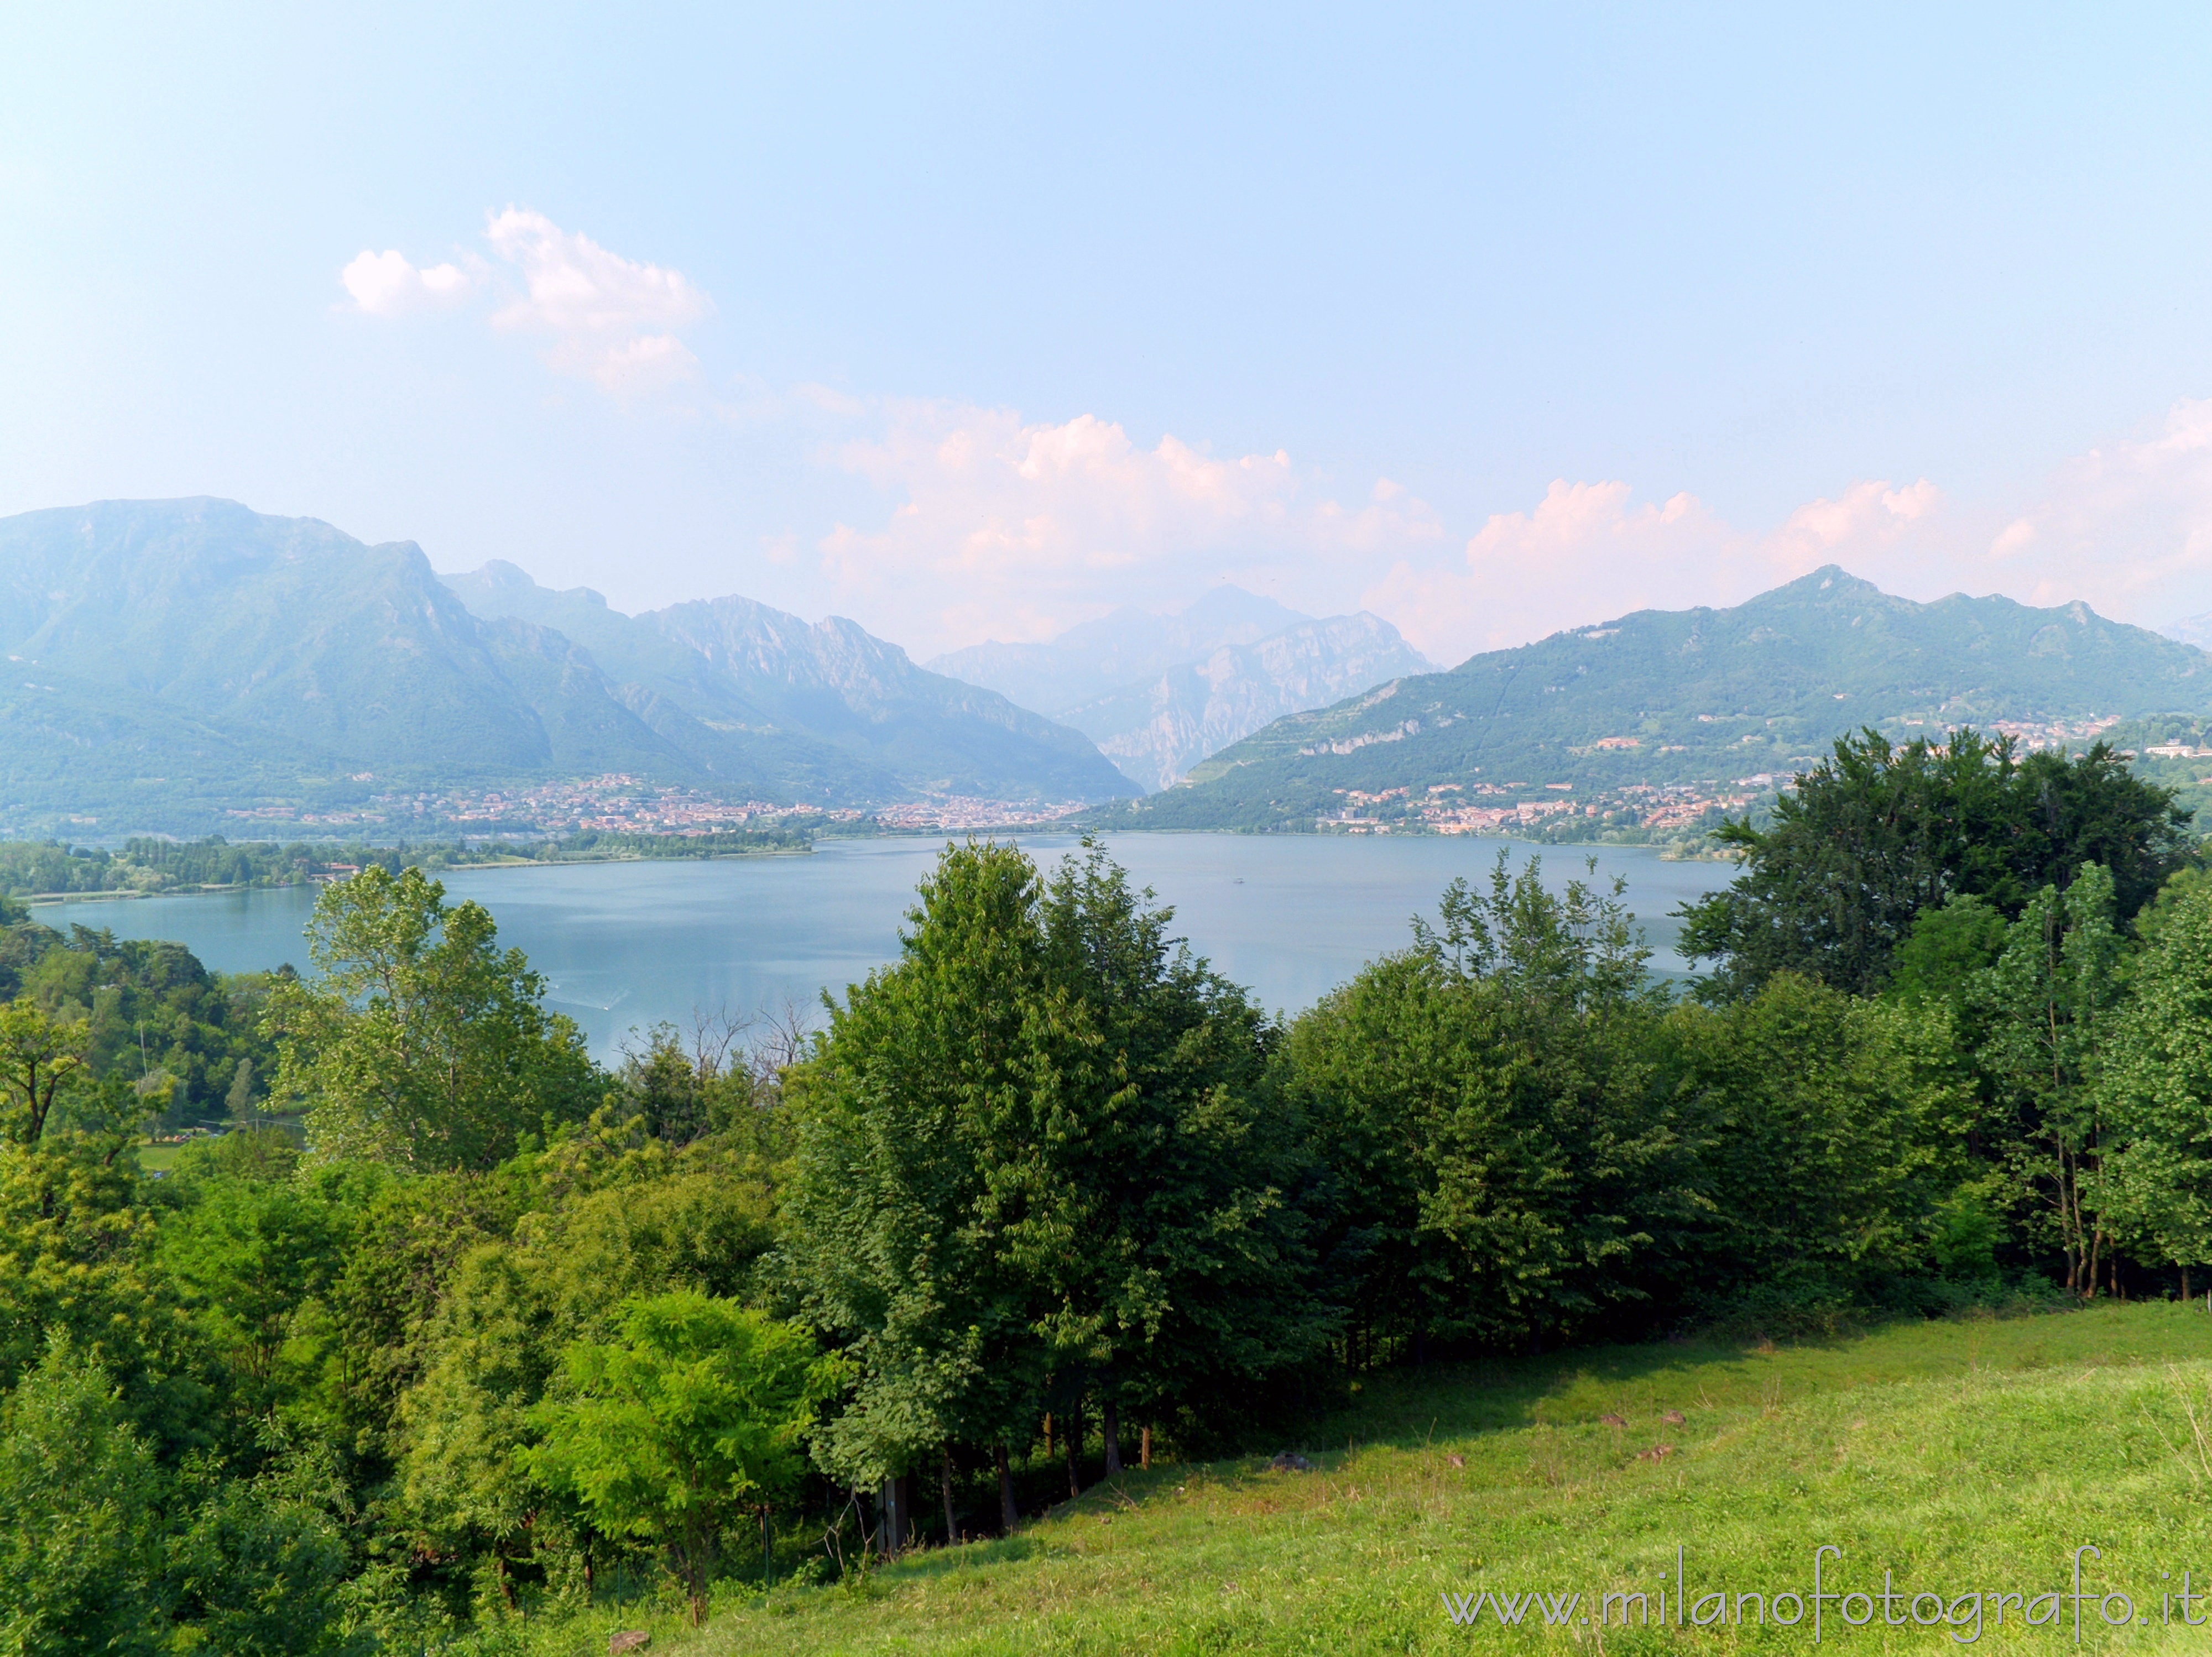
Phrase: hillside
(826,705)
(1158,692)
(1965,1457)
(1622,721)
(180,664)
(1157,729)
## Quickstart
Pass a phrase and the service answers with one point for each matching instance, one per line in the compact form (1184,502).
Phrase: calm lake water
(624,945)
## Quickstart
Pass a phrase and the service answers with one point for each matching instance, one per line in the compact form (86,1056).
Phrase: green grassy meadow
(1962,1456)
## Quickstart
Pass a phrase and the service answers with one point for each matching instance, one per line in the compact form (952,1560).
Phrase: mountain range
(1158,692)
(174,666)
(172,661)
(1740,695)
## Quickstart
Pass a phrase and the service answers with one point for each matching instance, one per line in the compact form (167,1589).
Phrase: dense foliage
(1875,835)
(32,868)
(499,1330)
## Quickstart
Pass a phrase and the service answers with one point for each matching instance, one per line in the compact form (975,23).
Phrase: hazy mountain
(168,661)
(1117,650)
(1671,696)
(2191,630)
(1158,729)
(734,682)
(1156,692)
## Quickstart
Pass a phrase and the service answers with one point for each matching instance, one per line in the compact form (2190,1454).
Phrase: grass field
(1964,1457)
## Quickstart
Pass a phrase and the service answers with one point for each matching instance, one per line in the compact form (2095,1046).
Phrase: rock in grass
(1613,1420)
(1292,1462)
(630,1639)
(1673,1417)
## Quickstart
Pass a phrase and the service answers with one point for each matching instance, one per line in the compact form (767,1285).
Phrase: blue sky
(975,322)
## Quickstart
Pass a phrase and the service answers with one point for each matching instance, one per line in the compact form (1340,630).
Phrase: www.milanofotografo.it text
(1834,1604)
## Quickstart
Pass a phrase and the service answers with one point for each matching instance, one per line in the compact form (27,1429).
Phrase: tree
(1502,1159)
(1042,1162)
(245,1255)
(237,1102)
(917,1159)
(1176,1271)
(38,1054)
(423,1045)
(509,1309)
(695,1415)
(2049,1010)
(81,1530)
(2156,1186)
(1875,835)
(1828,1133)
(260,1569)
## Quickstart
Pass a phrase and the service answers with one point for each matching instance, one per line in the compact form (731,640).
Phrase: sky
(978,322)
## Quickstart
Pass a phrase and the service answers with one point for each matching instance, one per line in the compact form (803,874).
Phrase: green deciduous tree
(2156,1188)
(1504,1161)
(1828,1135)
(245,1255)
(423,1045)
(695,1415)
(39,1054)
(1042,1161)
(81,1533)
(1876,833)
(2048,1011)
(916,1162)
(260,1569)
(1174,1268)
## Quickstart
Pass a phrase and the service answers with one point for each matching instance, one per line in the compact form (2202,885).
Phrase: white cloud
(1007,529)
(1587,552)
(573,286)
(2126,526)
(608,319)
(385,285)
(647,363)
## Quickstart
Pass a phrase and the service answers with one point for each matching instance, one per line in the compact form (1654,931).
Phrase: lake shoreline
(632,942)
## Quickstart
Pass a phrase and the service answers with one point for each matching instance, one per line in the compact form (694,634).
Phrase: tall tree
(1177,1267)
(1828,1133)
(1502,1158)
(917,1161)
(423,1045)
(2157,1091)
(1876,833)
(2049,1010)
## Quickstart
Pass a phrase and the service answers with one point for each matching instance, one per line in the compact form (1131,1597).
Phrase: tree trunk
(1112,1422)
(1009,1516)
(768,1551)
(1047,1436)
(1073,1437)
(1145,1450)
(894,1515)
(952,1521)
(2185,1295)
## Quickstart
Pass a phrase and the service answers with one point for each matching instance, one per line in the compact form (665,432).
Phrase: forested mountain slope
(171,662)
(730,683)
(1660,697)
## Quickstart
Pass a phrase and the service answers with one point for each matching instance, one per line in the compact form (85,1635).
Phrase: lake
(624,945)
